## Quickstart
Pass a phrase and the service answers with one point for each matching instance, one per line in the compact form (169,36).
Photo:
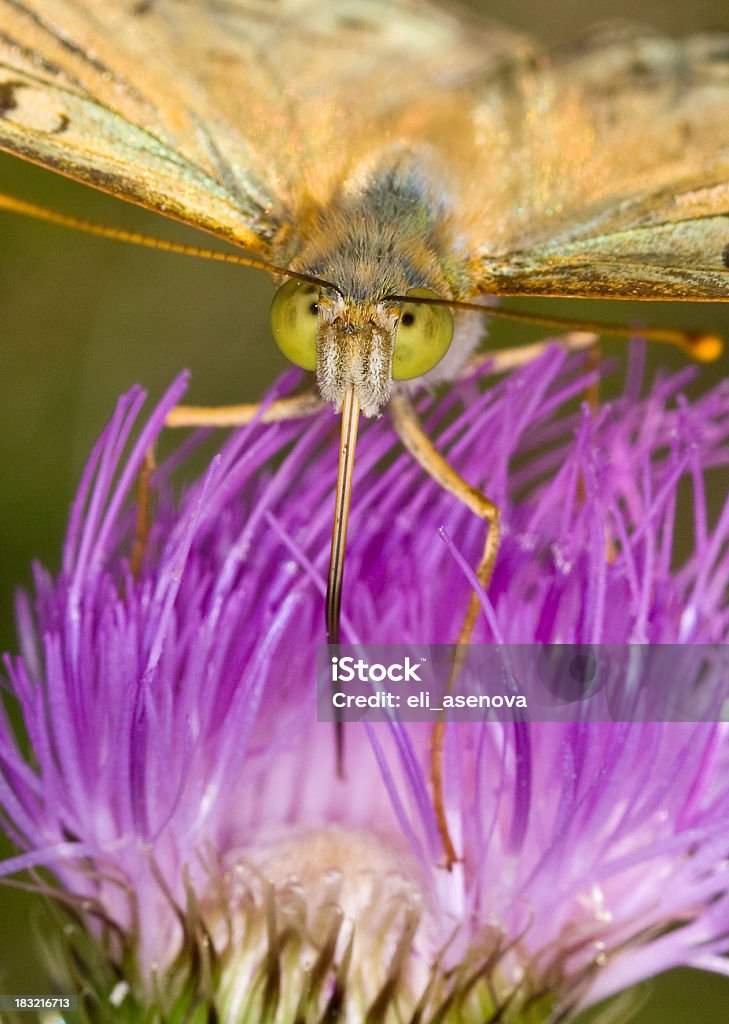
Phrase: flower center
(324,917)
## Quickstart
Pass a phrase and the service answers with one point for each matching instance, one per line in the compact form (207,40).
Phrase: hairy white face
(354,348)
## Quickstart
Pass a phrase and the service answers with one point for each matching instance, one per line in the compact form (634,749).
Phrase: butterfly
(390,163)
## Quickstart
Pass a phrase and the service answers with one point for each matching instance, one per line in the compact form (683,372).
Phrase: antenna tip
(705,348)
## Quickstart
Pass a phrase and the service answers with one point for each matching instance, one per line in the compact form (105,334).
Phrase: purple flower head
(185,798)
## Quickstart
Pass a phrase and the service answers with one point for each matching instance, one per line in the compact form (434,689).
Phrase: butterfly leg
(506,359)
(283,409)
(416,441)
(410,431)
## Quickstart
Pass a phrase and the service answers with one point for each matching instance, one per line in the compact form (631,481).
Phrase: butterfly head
(362,345)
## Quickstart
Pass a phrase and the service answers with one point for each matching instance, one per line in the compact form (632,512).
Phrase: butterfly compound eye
(294,322)
(423,336)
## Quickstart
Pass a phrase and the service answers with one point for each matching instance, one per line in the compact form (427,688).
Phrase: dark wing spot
(62,125)
(223,57)
(350,23)
(686,131)
(717,52)
(8,101)
(725,256)
(142,7)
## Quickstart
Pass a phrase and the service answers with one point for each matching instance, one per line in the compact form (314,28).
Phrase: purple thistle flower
(185,798)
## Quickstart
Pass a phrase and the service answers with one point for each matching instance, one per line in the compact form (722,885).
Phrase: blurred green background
(81,319)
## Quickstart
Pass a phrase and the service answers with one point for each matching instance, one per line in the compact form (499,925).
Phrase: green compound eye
(423,336)
(294,322)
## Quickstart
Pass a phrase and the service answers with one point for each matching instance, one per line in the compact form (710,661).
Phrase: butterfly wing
(619,179)
(82,93)
(228,114)
(601,170)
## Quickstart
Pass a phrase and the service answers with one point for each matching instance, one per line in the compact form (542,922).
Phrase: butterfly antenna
(350,421)
(702,346)
(148,241)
